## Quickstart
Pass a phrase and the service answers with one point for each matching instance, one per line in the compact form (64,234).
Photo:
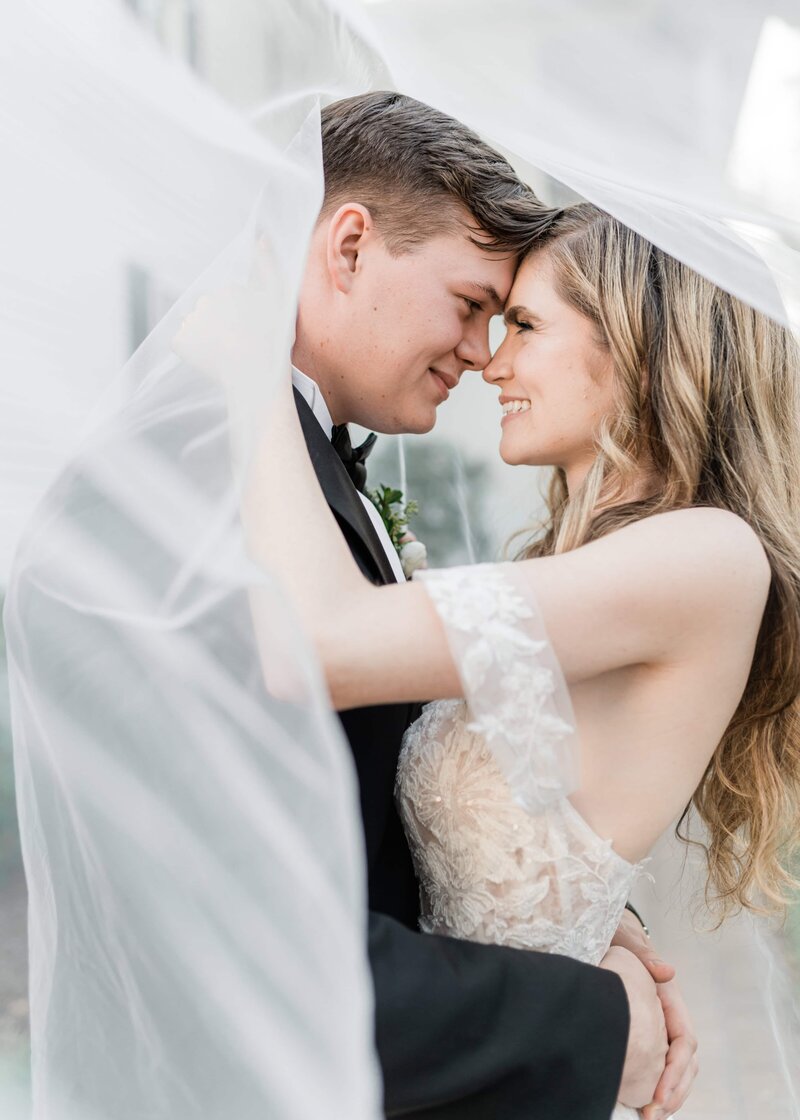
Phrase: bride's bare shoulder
(638,594)
(718,547)
(703,557)
(707,529)
(683,564)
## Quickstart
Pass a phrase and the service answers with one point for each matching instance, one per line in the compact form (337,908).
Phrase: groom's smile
(387,333)
(445,381)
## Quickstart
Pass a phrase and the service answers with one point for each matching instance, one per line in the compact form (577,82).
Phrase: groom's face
(388,336)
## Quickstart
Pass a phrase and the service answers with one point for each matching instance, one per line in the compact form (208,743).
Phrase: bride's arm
(641,595)
(291,532)
(648,593)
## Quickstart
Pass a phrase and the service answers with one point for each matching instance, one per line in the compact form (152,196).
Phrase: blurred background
(470,503)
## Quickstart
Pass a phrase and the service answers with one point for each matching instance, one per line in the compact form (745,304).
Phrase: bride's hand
(226,336)
(233,331)
(681,1066)
(647,1039)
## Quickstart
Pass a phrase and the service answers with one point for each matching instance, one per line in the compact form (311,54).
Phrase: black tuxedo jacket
(464,1031)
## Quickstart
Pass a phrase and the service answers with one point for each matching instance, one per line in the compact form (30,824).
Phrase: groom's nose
(473,349)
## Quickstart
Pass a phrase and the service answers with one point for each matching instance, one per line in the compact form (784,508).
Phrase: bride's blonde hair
(707,395)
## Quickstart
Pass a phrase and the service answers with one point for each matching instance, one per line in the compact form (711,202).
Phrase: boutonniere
(395,513)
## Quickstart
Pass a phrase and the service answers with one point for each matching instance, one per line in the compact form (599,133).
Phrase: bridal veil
(190,835)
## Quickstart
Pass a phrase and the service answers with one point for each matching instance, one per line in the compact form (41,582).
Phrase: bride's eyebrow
(512,314)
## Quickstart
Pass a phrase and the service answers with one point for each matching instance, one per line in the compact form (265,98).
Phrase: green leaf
(394,512)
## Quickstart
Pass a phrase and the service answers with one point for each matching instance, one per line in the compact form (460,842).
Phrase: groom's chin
(425,426)
(418,423)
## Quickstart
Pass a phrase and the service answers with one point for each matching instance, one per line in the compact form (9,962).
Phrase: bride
(657,614)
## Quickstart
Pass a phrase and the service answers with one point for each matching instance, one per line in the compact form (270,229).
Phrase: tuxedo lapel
(340,493)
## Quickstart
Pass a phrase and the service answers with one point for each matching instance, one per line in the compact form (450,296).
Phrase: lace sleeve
(513,684)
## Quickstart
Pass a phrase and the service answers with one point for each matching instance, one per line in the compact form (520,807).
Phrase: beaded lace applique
(491,869)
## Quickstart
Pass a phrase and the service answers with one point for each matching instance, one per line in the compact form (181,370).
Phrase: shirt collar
(312,394)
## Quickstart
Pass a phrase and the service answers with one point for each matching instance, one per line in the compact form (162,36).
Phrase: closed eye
(520,318)
(520,324)
(472,304)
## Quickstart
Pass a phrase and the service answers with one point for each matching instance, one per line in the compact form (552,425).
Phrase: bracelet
(638,918)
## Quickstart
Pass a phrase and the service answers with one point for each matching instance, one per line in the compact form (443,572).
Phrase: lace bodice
(501,854)
(491,871)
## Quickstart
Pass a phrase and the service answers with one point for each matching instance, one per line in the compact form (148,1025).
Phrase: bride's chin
(518,458)
(514,456)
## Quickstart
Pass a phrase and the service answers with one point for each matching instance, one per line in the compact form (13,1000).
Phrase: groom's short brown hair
(416,169)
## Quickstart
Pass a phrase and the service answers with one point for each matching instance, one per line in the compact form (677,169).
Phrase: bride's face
(554,375)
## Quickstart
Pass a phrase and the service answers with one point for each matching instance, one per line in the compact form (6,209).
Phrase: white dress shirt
(313,397)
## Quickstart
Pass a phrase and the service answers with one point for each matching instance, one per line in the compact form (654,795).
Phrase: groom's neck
(304,361)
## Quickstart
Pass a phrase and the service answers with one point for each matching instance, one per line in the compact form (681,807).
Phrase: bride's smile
(554,375)
(512,407)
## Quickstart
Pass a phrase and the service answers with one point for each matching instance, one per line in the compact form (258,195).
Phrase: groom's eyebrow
(489,293)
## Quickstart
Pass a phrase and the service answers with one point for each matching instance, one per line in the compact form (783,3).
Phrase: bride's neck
(645,484)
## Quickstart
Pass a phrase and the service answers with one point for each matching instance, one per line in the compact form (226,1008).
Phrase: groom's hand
(647,1041)
(681,1066)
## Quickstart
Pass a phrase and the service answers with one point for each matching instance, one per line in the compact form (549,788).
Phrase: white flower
(413,555)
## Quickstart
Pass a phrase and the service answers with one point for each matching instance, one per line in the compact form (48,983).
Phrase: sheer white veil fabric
(664,117)
(191,841)
(190,834)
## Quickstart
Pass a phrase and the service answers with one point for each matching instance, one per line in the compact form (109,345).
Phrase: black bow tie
(353,458)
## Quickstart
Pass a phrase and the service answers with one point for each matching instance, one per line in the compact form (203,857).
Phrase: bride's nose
(499,368)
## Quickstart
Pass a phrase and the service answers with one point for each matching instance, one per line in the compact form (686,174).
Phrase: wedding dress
(490,870)
(199,881)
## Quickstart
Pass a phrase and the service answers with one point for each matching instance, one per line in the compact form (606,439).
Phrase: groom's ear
(350,228)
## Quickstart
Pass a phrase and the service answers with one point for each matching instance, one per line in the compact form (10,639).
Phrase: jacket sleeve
(467,1031)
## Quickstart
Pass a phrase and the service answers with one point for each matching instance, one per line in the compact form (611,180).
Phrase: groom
(414,252)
